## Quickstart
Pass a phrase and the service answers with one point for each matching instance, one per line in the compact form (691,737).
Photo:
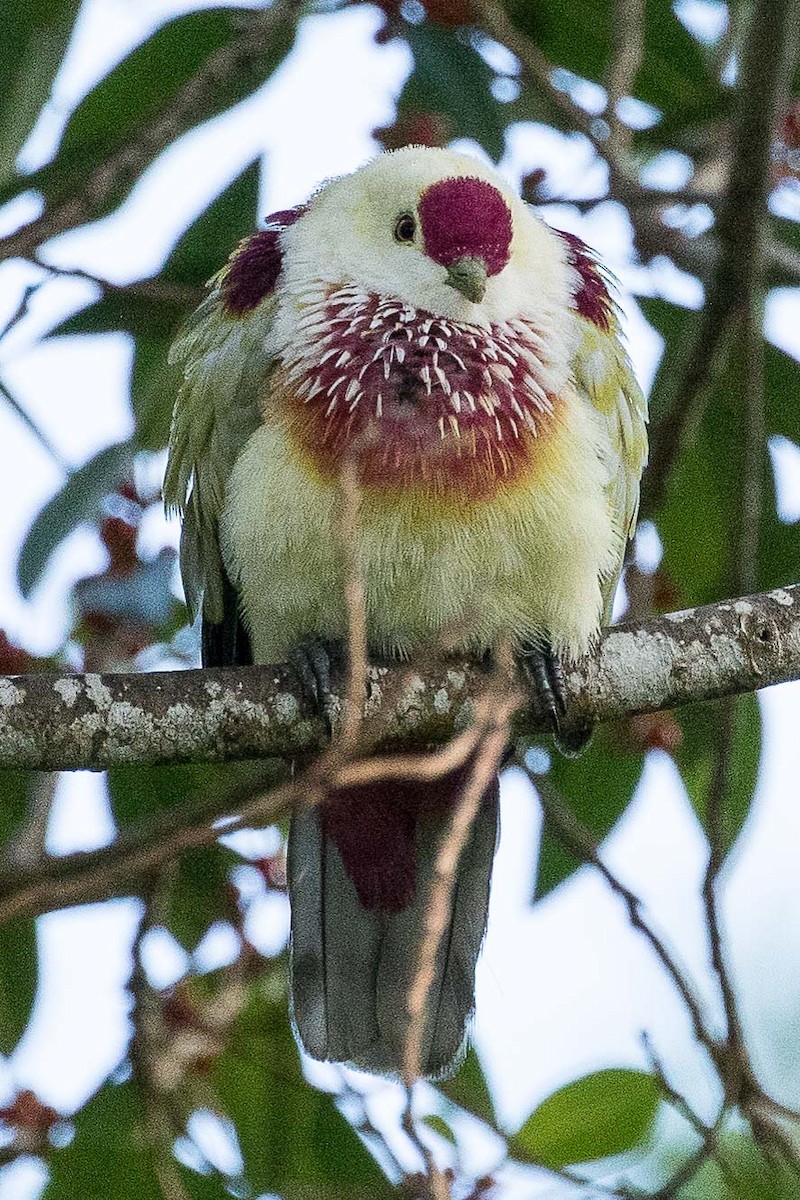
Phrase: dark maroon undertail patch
(592,299)
(375,830)
(255,265)
(466,216)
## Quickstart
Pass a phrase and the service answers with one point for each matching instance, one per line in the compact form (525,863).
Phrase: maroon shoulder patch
(255,265)
(592,297)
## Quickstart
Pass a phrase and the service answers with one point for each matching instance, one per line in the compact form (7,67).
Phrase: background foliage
(632,81)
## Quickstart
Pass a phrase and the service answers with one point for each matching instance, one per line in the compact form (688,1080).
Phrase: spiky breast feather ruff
(417,399)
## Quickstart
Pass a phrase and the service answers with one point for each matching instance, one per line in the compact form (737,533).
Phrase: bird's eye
(405,228)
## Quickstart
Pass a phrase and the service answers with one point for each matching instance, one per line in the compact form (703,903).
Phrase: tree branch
(91,722)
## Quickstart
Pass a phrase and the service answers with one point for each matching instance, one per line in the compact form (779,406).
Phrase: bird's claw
(313,661)
(549,699)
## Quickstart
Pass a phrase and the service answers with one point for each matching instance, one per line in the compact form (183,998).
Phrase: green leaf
(15,798)
(18,953)
(35,35)
(704,493)
(136,792)
(451,78)
(602,1114)
(108,1156)
(200,895)
(696,759)
(18,979)
(597,787)
(142,88)
(673,76)
(440,1127)
(79,500)
(293,1139)
(469,1090)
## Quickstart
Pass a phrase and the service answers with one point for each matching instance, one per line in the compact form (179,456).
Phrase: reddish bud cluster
(179,1011)
(415,129)
(13,659)
(273,870)
(27,1112)
(786,156)
(119,538)
(449,13)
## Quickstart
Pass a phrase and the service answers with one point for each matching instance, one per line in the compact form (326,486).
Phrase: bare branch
(78,722)
(571,833)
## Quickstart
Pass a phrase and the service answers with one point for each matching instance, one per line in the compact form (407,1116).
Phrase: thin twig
(493,741)
(573,834)
(161,291)
(32,427)
(438,1185)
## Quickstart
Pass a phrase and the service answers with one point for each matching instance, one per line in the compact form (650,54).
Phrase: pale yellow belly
(527,564)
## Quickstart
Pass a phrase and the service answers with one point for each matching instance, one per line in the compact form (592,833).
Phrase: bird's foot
(315,661)
(545,674)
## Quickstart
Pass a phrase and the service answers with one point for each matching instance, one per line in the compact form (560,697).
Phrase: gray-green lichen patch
(68,689)
(11,694)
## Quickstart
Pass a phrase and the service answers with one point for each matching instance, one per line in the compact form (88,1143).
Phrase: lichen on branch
(80,722)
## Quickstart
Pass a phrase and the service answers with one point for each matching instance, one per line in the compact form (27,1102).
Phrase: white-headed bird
(418,321)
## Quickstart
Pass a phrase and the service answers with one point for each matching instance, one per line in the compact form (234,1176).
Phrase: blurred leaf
(18,979)
(560,32)
(18,953)
(673,76)
(15,798)
(469,1090)
(78,500)
(450,77)
(597,787)
(200,894)
(143,87)
(696,756)
(107,1157)
(137,792)
(440,1127)
(293,1139)
(704,494)
(595,1117)
(35,36)
(750,1173)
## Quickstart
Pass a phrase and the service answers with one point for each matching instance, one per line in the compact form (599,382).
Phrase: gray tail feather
(352,966)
